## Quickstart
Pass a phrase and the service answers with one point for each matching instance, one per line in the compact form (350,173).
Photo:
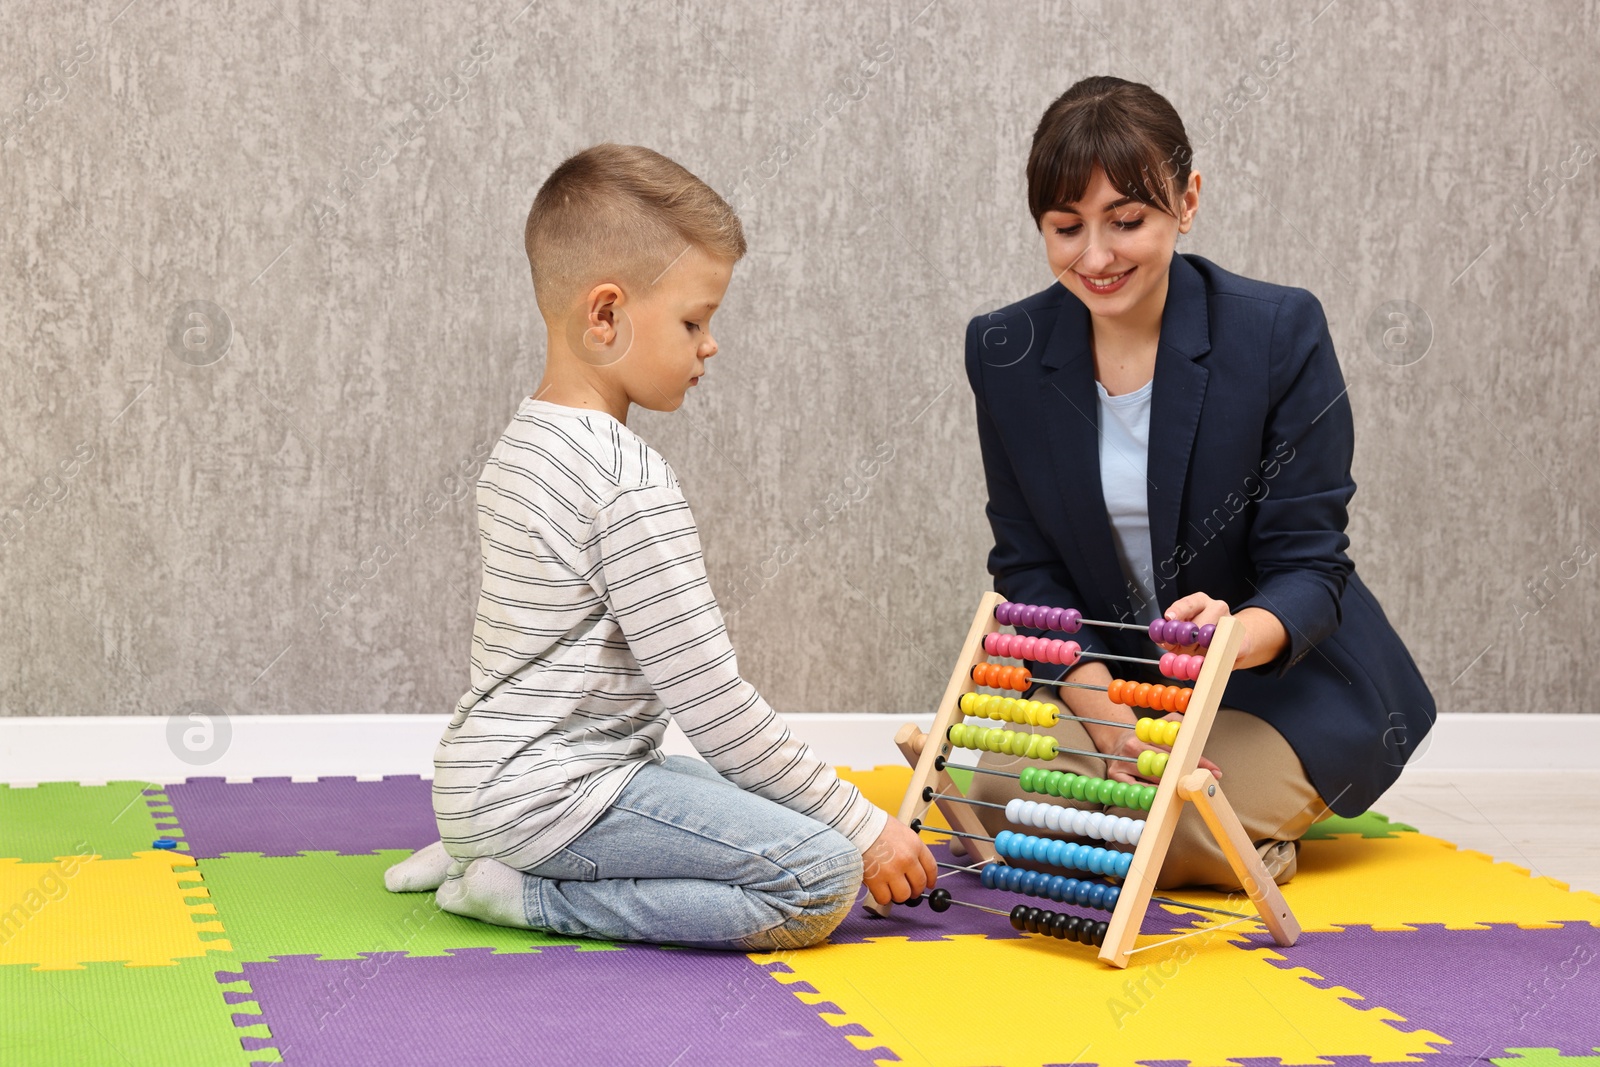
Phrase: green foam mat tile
(123,1016)
(1369,825)
(115,820)
(1542,1057)
(333,906)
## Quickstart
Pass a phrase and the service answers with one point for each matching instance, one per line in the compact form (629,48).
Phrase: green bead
(1147,796)
(1026,783)
(1105,791)
(1057,782)
(1119,794)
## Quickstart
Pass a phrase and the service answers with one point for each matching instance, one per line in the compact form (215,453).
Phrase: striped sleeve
(654,581)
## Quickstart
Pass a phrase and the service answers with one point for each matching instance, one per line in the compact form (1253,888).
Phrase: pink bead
(1195,663)
(1069,653)
(990,644)
(1169,666)
(1010,647)
(1054,652)
(1030,648)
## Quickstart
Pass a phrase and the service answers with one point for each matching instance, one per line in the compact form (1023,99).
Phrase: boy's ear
(601,332)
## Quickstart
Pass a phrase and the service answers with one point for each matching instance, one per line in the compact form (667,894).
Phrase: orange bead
(979,672)
(1169,698)
(1019,678)
(1141,697)
(1183,698)
(1114,691)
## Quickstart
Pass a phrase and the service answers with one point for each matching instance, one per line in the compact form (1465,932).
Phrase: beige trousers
(1261,776)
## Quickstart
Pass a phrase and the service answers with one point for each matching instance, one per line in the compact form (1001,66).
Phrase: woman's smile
(1106,283)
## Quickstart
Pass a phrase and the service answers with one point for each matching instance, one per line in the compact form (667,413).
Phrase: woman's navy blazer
(1249,476)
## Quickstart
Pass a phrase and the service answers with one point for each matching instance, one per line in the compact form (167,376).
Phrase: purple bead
(1030,615)
(1071,620)
(1205,635)
(1052,619)
(1157,628)
(1185,633)
(1002,613)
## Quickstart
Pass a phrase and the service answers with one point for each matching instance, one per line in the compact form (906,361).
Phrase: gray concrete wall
(250,371)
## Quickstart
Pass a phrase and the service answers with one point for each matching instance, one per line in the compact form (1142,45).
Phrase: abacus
(1179,779)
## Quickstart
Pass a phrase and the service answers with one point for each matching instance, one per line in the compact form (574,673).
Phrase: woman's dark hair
(1128,129)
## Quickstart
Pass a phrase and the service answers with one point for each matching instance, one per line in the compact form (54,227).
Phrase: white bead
(1014,810)
(1052,817)
(1096,821)
(1124,828)
(1134,834)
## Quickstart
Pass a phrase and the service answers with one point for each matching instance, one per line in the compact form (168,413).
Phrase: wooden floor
(1546,821)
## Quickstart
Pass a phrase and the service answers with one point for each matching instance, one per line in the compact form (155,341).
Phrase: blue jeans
(686,857)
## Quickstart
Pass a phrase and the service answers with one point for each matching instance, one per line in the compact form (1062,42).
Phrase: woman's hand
(1129,745)
(1262,636)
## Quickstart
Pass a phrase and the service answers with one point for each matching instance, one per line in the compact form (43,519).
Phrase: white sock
(419,871)
(487,890)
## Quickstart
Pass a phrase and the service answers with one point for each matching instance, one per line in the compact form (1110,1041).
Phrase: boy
(556,807)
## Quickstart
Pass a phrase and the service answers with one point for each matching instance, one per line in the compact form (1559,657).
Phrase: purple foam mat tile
(557,1006)
(1485,990)
(277,817)
(921,923)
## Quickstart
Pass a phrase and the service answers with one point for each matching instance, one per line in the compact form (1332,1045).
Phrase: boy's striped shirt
(594,623)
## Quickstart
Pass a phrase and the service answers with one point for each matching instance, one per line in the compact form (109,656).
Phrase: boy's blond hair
(621,213)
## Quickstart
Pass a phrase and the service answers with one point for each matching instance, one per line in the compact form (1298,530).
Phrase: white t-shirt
(1124,459)
(595,623)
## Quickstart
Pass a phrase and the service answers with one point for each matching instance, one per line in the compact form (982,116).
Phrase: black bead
(939,900)
(912,902)
(1100,933)
(1018,917)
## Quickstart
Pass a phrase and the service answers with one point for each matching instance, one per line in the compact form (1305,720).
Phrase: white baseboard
(105,748)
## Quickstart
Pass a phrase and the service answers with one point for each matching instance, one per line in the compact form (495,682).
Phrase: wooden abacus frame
(1182,782)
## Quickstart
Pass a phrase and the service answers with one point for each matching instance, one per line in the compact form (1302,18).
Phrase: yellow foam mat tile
(1395,883)
(84,909)
(1022,1003)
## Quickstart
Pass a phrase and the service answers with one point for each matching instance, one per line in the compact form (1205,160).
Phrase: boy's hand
(898,866)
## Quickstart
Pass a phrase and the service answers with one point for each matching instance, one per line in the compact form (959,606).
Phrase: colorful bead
(1206,632)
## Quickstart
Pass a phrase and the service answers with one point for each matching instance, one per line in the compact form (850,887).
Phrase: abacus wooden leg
(948,713)
(1151,851)
(910,741)
(1202,790)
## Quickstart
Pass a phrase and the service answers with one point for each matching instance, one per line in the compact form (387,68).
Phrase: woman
(1164,438)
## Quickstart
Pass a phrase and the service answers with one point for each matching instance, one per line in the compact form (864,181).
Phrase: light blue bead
(1124,864)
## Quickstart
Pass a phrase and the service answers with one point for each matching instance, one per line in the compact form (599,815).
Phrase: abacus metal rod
(980,907)
(1080,752)
(1125,659)
(961,799)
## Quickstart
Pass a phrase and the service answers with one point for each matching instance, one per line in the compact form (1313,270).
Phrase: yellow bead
(1172,732)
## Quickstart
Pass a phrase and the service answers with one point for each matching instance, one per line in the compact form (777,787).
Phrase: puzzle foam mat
(268,937)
